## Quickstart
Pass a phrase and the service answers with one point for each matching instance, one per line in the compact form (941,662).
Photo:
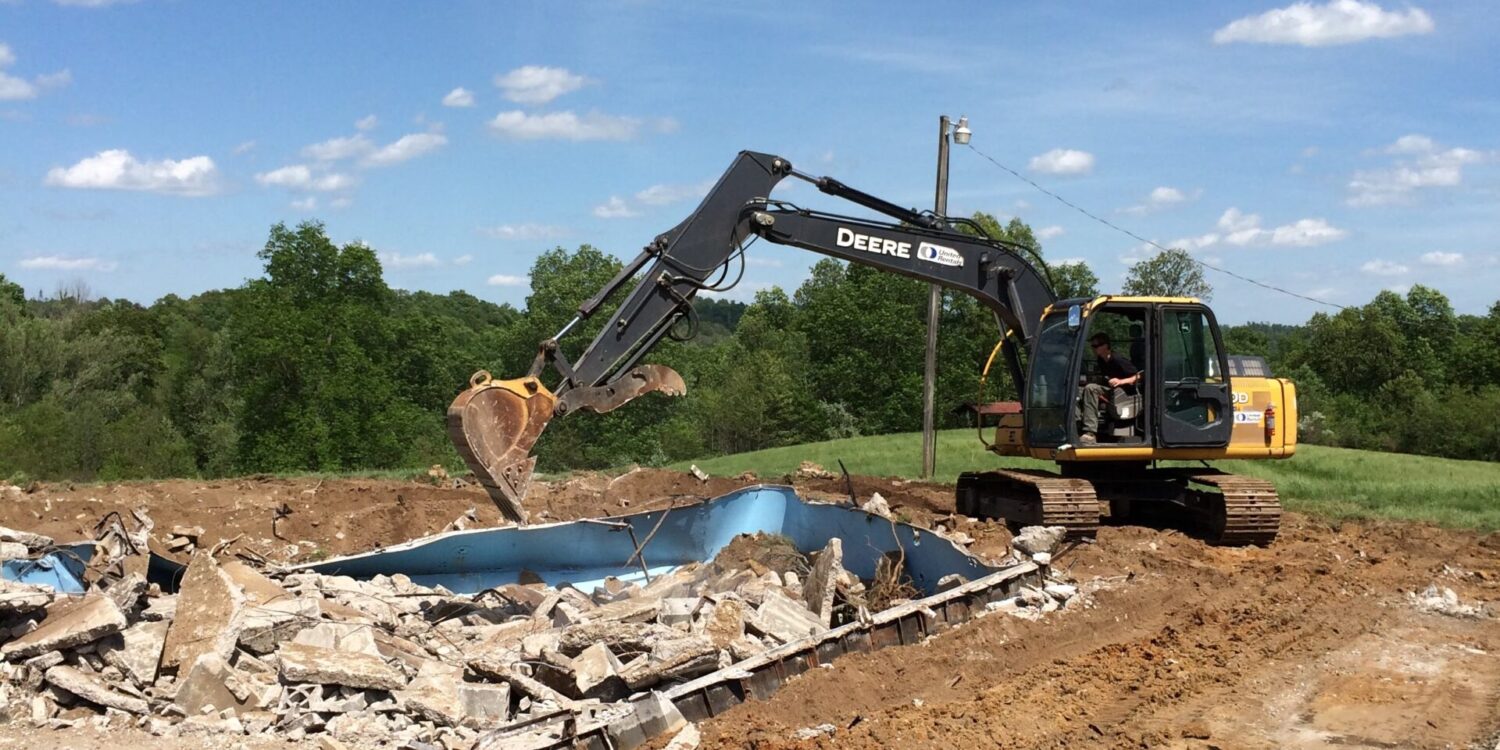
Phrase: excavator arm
(495,423)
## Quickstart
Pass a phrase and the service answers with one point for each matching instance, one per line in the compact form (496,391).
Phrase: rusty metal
(493,424)
(637,382)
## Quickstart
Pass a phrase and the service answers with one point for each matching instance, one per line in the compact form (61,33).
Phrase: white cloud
(341,202)
(1159,199)
(537,84)
(306,204)
(1420,164)
(55,80)
(593,126)
(661,195)
(116,169)
(501,279)
(420,260)
(1383,268)
(302,177)
(7,57)
(59,263)
(1243,230)
(336,149)
(14,89)
(523,231)
(368,122)
(404,148)
(1336,22)
(1307,233)
(459,97)
(463,260)
(244,148)
(92,3)
(1063,161)
(1047,233)
(614,208)
(1192,244)
(1439,258)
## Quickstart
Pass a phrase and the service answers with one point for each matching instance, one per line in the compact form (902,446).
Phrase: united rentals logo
(943,256)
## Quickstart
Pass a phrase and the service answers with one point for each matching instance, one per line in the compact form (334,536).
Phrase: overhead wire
(1152,243)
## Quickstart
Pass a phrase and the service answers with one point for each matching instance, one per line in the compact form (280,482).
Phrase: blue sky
(1335,149)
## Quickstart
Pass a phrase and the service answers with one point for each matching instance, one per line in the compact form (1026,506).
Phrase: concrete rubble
(244,650)
(239,650)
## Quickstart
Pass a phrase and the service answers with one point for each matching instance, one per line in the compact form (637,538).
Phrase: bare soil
(1309,643)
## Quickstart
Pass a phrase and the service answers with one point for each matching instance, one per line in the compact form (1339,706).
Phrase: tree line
(318,365)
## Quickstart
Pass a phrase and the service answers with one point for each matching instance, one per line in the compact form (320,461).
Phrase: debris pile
(240,650)
(1444,601)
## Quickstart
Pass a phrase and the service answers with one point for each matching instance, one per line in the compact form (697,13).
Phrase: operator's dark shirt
(1118,367)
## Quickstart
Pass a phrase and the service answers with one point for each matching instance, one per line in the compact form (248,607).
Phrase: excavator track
(1030,498)
(1245,511)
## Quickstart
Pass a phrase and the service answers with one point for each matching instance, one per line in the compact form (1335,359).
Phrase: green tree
(313,350)
(1170,273)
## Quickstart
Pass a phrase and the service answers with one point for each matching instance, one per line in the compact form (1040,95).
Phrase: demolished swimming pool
(596,633)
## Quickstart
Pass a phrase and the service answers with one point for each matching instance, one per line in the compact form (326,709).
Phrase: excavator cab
(1182,399)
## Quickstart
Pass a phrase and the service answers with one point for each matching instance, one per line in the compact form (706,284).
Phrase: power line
(1128,233)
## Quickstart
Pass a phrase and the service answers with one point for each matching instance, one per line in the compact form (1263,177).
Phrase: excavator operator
(1118,372)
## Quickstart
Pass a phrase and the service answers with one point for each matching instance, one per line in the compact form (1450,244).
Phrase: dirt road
(1313,642)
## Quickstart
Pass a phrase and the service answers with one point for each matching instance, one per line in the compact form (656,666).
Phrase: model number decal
(1241,397)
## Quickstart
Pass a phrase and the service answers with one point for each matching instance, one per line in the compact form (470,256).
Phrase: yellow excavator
(1185,400)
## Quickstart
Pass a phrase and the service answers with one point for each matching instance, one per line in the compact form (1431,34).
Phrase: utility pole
(934,305)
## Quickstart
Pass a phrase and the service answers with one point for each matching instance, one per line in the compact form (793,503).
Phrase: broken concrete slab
(683,657)
(618,636)
(822,582)
(17,597)
(594,666)
(726,624)
(208,618)
(649,717)
(13,551)
(136,651)
(69,623)
(212,685)
(325,666)
(877,505)
(784,619)
(678,611)
(635,609)
(1034,540)
(266,626)
(687,738)
(484,706)
(91,688)
(30,540)
(433,694)
(340,637)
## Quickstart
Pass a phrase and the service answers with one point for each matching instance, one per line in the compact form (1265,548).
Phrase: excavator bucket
(493,424)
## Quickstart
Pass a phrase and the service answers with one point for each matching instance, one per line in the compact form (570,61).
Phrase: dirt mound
(1313,642)
(767,551)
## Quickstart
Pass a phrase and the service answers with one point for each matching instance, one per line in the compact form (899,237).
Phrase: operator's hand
(1116,382)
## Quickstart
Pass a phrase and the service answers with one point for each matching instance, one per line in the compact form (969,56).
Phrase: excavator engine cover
(493,424)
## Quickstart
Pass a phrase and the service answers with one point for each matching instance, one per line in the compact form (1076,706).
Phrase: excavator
(1147,456)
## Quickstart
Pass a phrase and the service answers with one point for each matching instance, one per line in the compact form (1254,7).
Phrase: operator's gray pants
(1093,400)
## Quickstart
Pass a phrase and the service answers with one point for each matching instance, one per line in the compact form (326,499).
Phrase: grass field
(1330,482)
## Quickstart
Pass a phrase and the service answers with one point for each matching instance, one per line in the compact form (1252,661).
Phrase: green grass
(1329,482)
